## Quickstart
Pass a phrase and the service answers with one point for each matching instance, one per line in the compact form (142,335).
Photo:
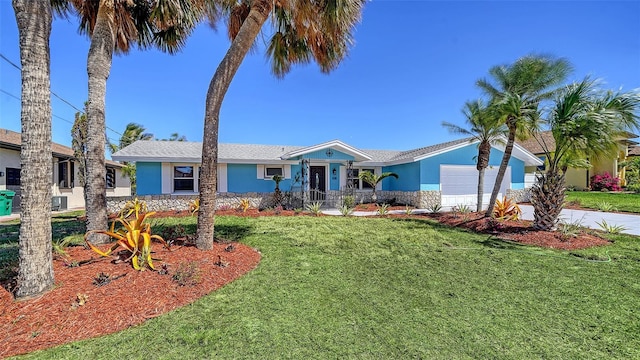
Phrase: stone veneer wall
(181,202)
(519,195)
(419,199)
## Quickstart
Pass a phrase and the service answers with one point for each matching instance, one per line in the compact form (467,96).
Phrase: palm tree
(585,123)
(373,180)
(35,273)
(132,133)
(79,144)
(516,92)
(484,128)
(115,25)
(303,30)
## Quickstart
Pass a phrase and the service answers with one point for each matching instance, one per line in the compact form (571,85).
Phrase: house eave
(334,144)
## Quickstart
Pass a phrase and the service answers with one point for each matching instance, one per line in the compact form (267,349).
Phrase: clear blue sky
(413,66)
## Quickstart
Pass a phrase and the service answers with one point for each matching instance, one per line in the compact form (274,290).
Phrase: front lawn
(336,287)
(628,202)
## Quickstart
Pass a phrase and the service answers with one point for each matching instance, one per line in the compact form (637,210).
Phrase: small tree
(277,194)
(373,180)
(585,123)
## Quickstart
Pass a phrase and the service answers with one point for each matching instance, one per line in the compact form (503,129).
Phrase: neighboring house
(634,150)
(580,178)
(67,192)
(439,174)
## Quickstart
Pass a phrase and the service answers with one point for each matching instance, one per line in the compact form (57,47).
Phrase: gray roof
(183,151)
(189,151)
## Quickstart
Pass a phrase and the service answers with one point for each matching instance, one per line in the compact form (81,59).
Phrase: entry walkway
(590,219)
(15,216)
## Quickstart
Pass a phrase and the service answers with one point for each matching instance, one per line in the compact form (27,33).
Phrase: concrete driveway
(591,219)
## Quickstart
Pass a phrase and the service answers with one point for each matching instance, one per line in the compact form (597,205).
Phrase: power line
(52,93)
(61,118)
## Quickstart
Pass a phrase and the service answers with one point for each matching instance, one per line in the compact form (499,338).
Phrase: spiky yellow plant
(506,209)
(134,236)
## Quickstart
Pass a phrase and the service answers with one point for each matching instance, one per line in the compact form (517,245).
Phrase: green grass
(65,228)
(628,202)
(373,288)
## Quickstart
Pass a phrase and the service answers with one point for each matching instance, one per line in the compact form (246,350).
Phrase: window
(111,178)
(65,174)
(544,165)
(355,179)
(270,172)
(183,178)
(13,176)
(364,185)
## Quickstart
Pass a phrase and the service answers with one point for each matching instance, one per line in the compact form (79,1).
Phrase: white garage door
(459,184)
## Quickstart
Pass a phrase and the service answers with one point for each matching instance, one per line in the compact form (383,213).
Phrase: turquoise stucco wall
(430,167)
(243,178)
(408,177)
(322,155)
(149,178)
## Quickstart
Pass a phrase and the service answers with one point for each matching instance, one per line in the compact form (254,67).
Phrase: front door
(317,182)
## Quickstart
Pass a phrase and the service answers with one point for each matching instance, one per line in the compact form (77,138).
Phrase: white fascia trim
(259,162)
(157,159)
(521,153)
(337,144)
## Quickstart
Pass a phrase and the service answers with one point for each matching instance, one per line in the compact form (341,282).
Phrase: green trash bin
(6,201)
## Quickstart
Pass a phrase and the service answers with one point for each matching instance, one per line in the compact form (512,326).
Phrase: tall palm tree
(585,123)
(484,128)
(116,25)
(35,274)
(303,31)
(516,92)
(132,133)
(373,180)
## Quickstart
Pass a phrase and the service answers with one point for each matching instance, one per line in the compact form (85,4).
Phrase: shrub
(345,210)
(194,206)
(383,209)
(134,206)
(134,236)
(245,204)
(349,201)
(634,187)
(605,182)
(507,209)
(315,208)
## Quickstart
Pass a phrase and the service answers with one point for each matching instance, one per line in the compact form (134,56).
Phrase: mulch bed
(130,298)
(58,317)
(521,231)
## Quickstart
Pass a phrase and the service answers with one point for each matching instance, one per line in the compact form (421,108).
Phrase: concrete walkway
(590,219)
(15,216)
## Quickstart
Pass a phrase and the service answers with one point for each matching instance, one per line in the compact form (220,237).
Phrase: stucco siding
(322,155)
(408,177)
(243,178)
(149,178)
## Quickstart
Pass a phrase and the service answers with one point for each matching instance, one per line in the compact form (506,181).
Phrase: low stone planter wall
(519,195)
(419,199)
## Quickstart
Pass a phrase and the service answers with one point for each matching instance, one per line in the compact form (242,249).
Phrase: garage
(459,185)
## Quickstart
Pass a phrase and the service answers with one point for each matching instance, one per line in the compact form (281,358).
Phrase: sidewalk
(14,216)
(590,219)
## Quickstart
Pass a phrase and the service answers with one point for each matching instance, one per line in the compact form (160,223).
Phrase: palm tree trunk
(503,166)
(547,198)
(98,68)
(35,274)
(260,10)
(484,153)
(480,189)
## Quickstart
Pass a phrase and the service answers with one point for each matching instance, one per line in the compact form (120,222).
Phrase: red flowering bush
(603,182)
